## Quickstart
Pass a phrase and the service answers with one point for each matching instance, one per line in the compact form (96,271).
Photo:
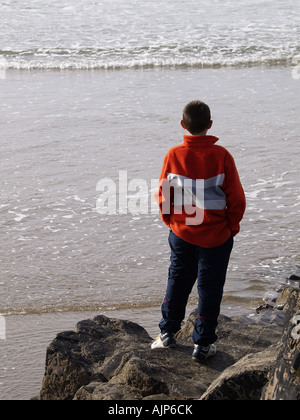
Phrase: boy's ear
(182,125)
(210,125)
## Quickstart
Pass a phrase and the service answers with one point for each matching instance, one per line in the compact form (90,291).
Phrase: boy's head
(196,118)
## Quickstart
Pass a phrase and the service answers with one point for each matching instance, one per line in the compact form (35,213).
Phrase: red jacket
(200,196)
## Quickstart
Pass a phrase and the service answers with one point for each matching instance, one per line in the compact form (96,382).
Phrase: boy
(202,201)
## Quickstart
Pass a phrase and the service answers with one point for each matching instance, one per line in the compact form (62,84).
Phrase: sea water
(90,90)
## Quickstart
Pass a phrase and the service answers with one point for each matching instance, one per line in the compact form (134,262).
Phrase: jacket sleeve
(235,195)
(164,194)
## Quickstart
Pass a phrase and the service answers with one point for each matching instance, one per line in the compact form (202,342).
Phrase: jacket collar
(199,140)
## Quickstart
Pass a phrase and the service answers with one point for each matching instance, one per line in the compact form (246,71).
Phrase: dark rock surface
(296,275)
(111,359)
(284,379)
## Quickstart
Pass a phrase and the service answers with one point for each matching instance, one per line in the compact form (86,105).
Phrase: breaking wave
(147,57)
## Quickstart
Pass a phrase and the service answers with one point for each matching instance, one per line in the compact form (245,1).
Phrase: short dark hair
(196,117)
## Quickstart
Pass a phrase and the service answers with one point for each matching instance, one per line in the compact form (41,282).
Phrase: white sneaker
(202,353)
(164,341)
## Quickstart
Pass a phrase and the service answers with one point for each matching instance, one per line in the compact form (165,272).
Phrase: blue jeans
(189,262)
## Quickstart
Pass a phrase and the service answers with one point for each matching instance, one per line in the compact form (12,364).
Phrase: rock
(110,359)
(285,298)
(296,275)
(90,353)
(245,379)
(284,380)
